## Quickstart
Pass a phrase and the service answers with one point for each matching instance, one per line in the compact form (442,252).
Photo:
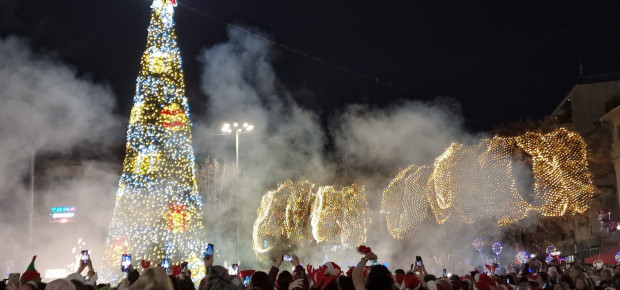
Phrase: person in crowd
(78,284)
(218,279)
(176,284)
(605,278)
(273,272)
(153,278)
(379,277)
(544,280)
(300,279)
(260,281)
(574,271)
(60,284)
(345,283)
(284,280)
(566,282)
(91,276)
(581,284)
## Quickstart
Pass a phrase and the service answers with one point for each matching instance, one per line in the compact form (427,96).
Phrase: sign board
(63,214)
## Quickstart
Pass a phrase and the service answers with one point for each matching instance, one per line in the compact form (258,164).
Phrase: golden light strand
(480,181)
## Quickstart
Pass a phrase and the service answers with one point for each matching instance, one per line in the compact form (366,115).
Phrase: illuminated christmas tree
(157,211)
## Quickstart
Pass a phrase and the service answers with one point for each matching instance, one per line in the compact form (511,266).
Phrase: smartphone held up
(84,257)
(234,270)
(126,262)
(209,251)
(418,261)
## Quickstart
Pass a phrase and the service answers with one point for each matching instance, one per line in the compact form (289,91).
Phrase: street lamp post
(238,130)
(227,129)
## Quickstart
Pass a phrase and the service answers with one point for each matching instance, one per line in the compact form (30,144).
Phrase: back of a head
(187,284)
(132,276)
(429,278)
(333,285)
(399,272)
(345,283)
(153,279)
(444,283)
(176,284)
(218,280)
(78,285)
(284,279)
(60,284)
(379,278)
(260,280)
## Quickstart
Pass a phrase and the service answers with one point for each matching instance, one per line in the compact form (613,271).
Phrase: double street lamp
(237,129)
(228,129)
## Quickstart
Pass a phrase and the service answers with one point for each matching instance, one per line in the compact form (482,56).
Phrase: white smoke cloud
(46,108)
(370,144)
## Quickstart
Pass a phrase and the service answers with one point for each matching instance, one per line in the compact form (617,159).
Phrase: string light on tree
(158,211)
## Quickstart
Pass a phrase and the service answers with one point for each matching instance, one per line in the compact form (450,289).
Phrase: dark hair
(567,280)
(284,279)
(429,278)
(260,280)
(176,284)
(132,276)
(333,285)
(344,282)
(87,286)
(78,285)
(379,278)
(187,284)
(399,272)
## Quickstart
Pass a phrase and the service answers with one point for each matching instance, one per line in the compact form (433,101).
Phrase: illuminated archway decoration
(483,181)
(294,215)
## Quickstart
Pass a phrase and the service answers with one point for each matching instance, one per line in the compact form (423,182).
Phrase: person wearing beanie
(31,273)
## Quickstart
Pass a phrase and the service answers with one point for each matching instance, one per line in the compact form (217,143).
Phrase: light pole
(227,129)
(238,130)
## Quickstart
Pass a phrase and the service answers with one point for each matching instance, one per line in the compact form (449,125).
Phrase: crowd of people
(532,275)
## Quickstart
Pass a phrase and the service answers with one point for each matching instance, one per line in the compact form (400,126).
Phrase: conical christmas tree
(157,211)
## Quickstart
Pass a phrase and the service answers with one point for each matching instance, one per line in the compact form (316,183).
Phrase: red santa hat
(350,272)
(485,278)
(482,286)
(332,269)
(407,282)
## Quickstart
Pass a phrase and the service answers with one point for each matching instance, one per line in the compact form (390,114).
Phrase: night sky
(503,61)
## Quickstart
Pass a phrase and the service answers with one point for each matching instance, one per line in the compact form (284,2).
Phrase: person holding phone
(277,262)
(91,276)
(208,258)
(379,277)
